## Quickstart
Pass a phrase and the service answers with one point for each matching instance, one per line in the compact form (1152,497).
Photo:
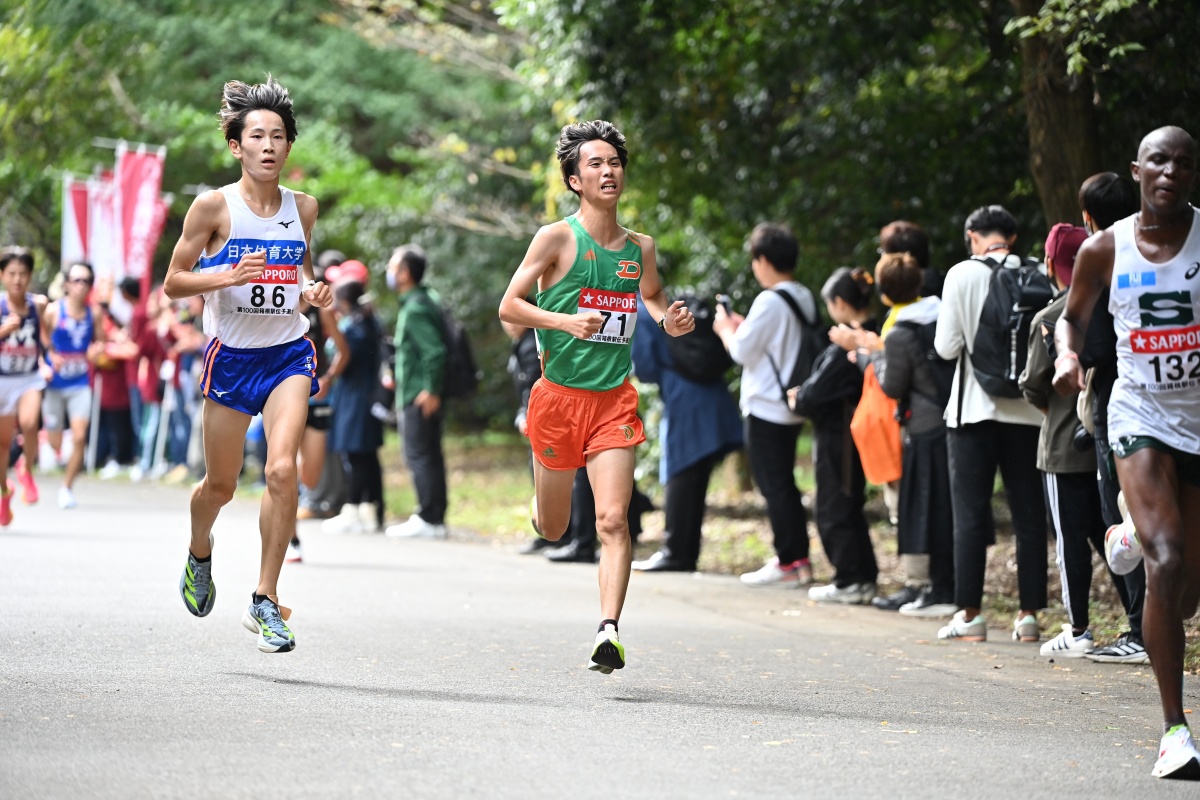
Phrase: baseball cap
(347,271)
(1061,246)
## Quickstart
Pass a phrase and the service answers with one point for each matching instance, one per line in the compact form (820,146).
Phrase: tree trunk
(1064,144)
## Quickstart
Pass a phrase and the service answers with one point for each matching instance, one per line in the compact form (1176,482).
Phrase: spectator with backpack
(828,399)
(699,426)
(777,332)
(1068,470)
(988,303)
(421,356)
(910,371)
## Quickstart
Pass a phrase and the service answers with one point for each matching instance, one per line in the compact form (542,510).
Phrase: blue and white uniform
(69,395)
(257,333)
(20,355)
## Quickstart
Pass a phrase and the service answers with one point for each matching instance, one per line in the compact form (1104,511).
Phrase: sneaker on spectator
(1127,649)
(959,628)
(855,594)
(416,528)
(346,522)
(110,470)
(894,601)
(1177,756)
(66,498)
(929,604)
(177,474)
(1068,645)
(798,573)
(1025,629)
(136,473)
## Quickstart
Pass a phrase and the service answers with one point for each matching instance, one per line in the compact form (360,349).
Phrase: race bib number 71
(619,312)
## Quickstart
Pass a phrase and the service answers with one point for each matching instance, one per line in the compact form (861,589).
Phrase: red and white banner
(139,178)
(104,227)
(74,221)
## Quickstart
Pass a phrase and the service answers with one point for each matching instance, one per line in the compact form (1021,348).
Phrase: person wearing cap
(1066,457)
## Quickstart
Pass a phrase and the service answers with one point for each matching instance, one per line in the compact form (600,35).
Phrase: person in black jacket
(828,398)
(357,434)
(906,373)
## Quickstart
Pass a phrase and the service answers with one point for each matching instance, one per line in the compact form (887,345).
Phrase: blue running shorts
(244,379)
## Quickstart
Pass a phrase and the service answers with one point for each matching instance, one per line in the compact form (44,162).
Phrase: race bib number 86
(619,312)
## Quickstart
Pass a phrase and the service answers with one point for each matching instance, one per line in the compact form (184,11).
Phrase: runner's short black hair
(776,243)
(239,99)
(576,135)
(14,253)
(1108,197)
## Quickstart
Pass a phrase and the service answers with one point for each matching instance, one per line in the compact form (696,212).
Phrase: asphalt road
(454,669)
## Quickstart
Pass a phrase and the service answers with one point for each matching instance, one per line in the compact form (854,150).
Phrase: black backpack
(813,340)
(1001,344)
(699,356)
(941,368)
(462,374)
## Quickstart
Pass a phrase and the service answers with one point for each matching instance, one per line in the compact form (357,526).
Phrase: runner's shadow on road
(399,694)
(785,704)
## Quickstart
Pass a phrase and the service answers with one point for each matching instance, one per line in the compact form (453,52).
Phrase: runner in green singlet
(587,270)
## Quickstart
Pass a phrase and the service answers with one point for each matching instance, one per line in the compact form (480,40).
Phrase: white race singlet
(1156,309)
(263,312)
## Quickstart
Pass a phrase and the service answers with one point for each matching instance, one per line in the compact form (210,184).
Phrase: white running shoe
(856,594)
(1122,548)
(959,628)
(416,528)
(798,573)
(1177,756)
(110,470)
(1068,645)
(293,555)
(66,498)
(347,521)
(608,653)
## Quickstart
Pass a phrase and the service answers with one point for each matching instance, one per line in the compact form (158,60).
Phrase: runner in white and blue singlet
(1150,263)
(246,249)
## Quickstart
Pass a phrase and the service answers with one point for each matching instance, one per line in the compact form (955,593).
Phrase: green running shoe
(266,619)
(608,654)
(196,586)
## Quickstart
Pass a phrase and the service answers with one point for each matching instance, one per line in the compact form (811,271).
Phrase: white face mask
(391,280)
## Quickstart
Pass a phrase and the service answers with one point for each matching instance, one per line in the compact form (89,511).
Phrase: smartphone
(723,301)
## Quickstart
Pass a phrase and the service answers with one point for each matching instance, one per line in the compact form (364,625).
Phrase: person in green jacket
(588,271)
(420,368)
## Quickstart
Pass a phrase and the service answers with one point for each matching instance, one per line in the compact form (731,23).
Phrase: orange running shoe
(29,489)
(6,515)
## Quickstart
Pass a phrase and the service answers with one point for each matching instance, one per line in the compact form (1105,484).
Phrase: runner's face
(15,278)
(79,283)
(1166,172)
(600,176)
(264,146)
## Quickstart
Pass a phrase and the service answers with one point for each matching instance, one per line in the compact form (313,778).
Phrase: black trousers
(772,452)
(364,480)
(683,508)
(1131,586)
(1074,502)
(841,494)
(975,452)
(422,444)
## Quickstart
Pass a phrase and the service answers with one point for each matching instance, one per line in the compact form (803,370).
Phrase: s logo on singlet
(1166,308)
(629,269)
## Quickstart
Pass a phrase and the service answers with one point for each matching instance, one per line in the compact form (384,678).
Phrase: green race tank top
(603,281)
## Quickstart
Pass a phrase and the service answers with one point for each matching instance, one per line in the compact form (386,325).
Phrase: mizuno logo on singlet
(288,223)
(221,394)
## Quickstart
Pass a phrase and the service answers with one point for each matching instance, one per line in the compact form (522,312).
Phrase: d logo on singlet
(629,269)
(1166,308)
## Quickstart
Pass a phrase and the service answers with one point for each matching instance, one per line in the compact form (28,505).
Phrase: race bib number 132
(619,312)
(1166,360)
